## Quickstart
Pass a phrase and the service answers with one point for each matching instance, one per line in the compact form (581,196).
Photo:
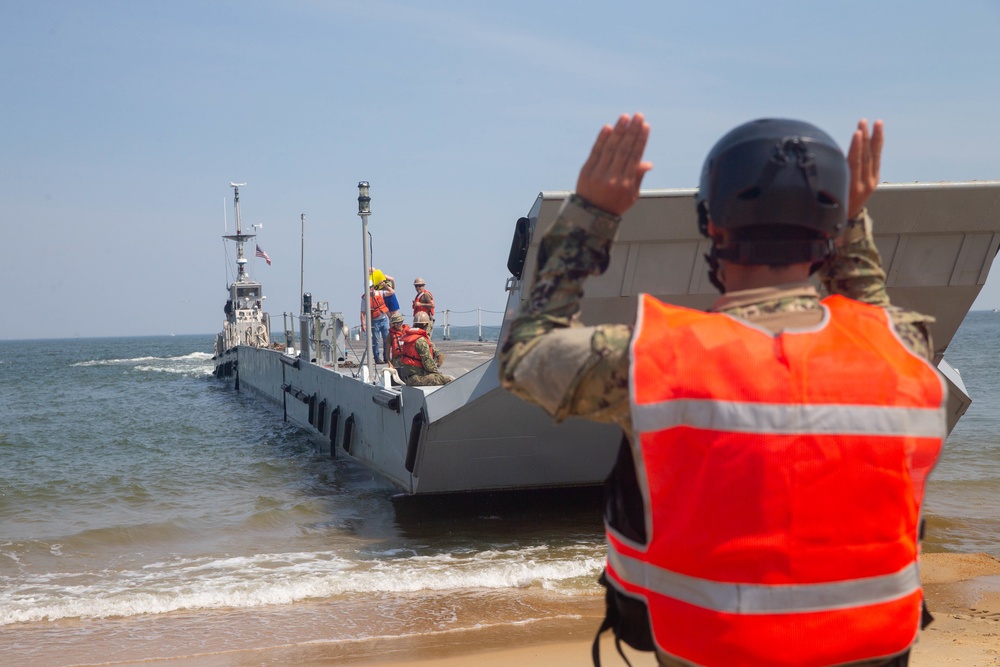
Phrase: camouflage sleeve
(855,271)
(426,356)
(549,358)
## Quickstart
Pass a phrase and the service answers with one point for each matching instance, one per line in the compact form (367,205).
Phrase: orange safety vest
(782,477)
(419,307)
(405,350)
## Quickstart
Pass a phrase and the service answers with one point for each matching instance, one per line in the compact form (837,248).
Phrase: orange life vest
(405,347)
(377,305)
(419,307)
(395,341)
(782,477)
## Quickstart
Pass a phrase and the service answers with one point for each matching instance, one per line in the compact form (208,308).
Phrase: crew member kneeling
(414,357)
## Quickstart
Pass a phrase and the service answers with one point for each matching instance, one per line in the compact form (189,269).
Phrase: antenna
(236,203)
(239,237)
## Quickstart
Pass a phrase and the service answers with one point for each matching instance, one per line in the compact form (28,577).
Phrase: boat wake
(195,363)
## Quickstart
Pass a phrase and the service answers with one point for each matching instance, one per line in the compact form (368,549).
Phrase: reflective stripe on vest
(789,419)
(843,636)
(782,477)
(757,599)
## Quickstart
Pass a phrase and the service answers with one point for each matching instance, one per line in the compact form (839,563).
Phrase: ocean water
(963,497)
(147,510)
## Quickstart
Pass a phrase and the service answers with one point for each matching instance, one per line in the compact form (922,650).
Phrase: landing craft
(937,243)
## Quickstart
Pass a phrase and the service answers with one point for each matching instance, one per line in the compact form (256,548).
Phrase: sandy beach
(963,592)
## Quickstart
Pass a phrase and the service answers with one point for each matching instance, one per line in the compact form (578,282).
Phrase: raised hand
(864,159)
(611,176)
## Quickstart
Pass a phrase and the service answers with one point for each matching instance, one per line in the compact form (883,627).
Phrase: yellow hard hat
(377,276)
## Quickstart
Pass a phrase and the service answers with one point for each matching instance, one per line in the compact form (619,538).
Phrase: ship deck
(460,356)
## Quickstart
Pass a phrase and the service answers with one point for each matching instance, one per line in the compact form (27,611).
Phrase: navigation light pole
(364,210)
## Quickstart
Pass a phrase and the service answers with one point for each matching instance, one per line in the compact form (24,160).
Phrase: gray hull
(466,436)
(937,242)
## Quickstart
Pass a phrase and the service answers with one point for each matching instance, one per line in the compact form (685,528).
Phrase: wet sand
(963,592)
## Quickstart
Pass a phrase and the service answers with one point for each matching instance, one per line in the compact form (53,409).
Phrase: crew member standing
(380,324)
(765,504)
(424,303)
(386,287)
(414,356)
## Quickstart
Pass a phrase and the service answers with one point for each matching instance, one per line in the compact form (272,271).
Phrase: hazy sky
(122,124)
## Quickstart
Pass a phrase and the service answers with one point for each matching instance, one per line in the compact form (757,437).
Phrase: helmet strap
(703,218)
(712,259)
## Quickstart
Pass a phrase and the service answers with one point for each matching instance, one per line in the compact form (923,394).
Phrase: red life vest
(419,307)
(782,477)
(405,348)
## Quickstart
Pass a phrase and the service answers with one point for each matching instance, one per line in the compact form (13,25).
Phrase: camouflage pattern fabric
(429,376)
(414,378)
(856,271)
(547,334)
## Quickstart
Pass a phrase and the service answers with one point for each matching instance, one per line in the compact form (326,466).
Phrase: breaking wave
(281,579)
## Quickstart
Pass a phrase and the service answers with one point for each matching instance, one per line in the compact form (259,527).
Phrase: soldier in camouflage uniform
(414,356)
(423,302)
(568,369)
(586,368)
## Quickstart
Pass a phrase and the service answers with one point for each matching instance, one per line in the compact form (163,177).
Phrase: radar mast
(241,261)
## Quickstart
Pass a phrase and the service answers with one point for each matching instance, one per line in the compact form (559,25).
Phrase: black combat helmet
(774,174)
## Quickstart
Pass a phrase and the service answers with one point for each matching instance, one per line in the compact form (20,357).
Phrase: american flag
(261,253)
